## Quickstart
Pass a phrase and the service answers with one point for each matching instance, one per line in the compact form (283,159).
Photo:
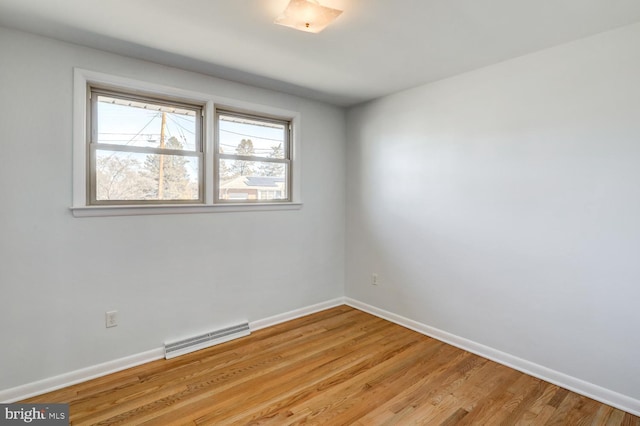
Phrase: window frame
(286,161)
(80,203)
(94,91)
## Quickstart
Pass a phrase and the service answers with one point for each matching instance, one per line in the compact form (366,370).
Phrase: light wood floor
(336,367)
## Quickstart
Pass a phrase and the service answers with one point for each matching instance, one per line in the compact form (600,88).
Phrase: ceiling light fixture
(307,15)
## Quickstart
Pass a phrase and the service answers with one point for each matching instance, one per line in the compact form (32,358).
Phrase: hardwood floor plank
(491,400)
(533,414)
(560,415)
(630,420)
(436,393)
(336,367)
(557,399)
(517,408)
(616,418)
(453,419)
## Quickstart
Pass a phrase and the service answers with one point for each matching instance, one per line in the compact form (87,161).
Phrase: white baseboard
(78,376)
(571,383)
(297,313)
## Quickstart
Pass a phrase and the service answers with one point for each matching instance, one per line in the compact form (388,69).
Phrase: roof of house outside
(254,182)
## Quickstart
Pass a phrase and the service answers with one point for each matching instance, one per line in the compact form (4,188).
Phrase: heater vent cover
(192,344)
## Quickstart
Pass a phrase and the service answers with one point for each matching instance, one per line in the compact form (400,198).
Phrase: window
(252,158)
(142,148)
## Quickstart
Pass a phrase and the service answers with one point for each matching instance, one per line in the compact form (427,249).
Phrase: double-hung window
(253,159)
(143,149)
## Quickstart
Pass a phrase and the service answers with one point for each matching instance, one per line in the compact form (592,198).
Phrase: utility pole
(161,162)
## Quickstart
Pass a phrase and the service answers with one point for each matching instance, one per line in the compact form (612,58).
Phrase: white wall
(168,276)
(503,206)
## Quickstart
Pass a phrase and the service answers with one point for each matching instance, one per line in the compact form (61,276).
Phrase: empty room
(331,212)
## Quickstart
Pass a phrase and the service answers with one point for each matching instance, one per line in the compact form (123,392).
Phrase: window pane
(140,123)
(252,180)
(133,176)
(248,136)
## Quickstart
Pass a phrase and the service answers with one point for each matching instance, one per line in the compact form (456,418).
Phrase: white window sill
(101,211)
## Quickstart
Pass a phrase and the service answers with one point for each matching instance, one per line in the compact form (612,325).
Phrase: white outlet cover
(111,319)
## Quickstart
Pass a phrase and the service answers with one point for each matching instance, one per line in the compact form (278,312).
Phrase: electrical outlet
(111,319)
(374,279)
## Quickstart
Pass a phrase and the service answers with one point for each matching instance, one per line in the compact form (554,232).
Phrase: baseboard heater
(192,344)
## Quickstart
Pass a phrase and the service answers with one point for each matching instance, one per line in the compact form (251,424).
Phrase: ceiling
(376,47)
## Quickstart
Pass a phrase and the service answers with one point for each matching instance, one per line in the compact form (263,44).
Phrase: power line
(180,126)
(251,136)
